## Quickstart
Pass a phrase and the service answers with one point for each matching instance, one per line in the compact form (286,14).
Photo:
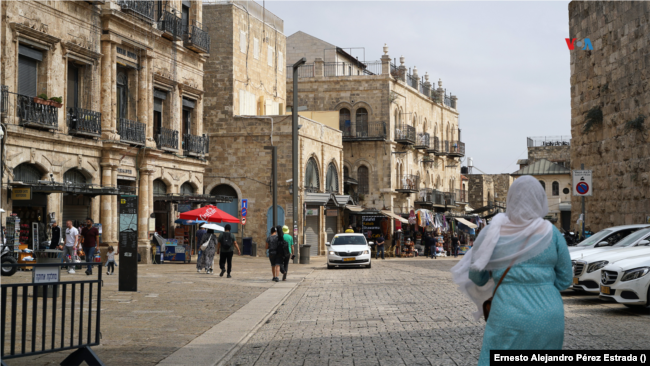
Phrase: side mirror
(602,244)
(644,242)
(327,244)
(371,243)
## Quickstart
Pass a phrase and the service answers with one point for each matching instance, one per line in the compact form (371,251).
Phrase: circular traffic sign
(244,212)
(243,221)
(582,188)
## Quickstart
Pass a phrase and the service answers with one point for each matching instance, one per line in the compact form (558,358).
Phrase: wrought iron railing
(170,23)
(167,139)
(127,189)
(84,122)
(32,114)
(438,198)
(411,81)
(456,148)
(395,71)
(197,37)
(372,68)
(425,196)
(422,141)
(424,89)
(445,148)
(450,199)
(461,195)
(405,134)
(4,96)
(304,71)
(131,132)
(143,8)
(364,131)
(448,101)
(408,182)
(195,145)
(434,146)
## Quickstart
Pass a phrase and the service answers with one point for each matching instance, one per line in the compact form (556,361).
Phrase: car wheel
(329,266)
(369,265)
(9,271)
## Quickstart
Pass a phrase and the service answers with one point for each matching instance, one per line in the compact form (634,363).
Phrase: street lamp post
(294,156)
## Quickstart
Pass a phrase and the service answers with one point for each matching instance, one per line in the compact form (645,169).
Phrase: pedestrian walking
(71,243)
(110,261)
(89,241)
(285,265)
(282,251)
(431,243)
(529,264)
(271,248)
(199,236)
(225,249)
(56,235)
(454,245)
(209,245)
(380,247)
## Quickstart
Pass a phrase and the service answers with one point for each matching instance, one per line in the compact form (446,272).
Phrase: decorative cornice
(34,31)
(78,50)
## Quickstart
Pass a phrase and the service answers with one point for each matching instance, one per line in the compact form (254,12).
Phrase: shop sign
(311,212)
(152,224)
(21,194)
(45,274)
(371,226)
(334,212)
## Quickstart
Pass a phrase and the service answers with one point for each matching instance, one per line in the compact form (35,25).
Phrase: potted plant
(56,102)
(42,99)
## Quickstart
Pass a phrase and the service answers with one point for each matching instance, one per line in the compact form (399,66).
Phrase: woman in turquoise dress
(527,311)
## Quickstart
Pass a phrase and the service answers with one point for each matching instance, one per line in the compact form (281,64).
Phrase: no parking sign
(582,183)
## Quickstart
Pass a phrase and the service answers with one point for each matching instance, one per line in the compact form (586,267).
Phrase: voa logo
(574,43)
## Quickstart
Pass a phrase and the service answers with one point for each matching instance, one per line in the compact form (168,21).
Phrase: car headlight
(596,266)
(635,273)
(366,252)
(333,253)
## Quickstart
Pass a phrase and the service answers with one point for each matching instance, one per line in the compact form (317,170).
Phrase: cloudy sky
(507,62)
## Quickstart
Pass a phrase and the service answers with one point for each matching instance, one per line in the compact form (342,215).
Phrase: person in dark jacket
(56,236)
(225,249)
(454,244)
(430,242)
(271,247)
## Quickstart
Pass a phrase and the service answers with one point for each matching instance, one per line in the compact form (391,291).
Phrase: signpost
(582,187)
(128,242)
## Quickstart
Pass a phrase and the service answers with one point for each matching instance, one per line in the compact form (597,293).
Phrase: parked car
(586,271)
(607,237)
(348,250)
(639,237)
(627,282)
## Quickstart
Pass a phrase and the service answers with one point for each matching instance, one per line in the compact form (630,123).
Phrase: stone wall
(301,44)
(613,78)
(556,154)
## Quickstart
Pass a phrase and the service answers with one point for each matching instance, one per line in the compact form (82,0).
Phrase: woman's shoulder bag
(488,303)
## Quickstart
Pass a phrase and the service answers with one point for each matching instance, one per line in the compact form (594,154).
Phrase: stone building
(401,137)
(487,193)
(130,75)
(556,149)
(610,104)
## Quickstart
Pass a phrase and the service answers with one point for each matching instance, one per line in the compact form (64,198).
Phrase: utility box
(304,253)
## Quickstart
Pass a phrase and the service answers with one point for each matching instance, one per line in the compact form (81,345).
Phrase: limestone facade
(611,80)
(108,61)
(384,104)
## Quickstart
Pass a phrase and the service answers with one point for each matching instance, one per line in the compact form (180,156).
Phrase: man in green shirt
(289,239)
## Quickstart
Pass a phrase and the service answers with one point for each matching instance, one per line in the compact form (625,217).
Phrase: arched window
(187,188)
(231,207)
(362,176)
(312,182)
(361,121)
(332,179)
(543,185)
(555,186)
(27,173)
(344,121)
(74,176)
(159,188)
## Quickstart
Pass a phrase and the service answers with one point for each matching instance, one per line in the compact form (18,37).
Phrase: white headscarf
(514,237)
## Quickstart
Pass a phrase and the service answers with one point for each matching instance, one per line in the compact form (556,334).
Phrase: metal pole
(584,216)
(274,182)
(294,155)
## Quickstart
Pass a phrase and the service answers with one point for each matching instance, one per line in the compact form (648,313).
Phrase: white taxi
(348,250)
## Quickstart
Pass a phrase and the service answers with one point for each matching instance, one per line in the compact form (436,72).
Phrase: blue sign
(582,188)
(243,212)
(244,207)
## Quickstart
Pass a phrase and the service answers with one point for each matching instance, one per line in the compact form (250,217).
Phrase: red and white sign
(582,183)
(243,221)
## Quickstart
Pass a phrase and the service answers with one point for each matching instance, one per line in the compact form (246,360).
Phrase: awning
(342,199)
(354,208)
(351,181)
(396,217)
(466,223)
(316,199)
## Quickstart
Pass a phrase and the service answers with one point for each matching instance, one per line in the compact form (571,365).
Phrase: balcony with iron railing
(36,115)
(84,122)
(425,196)
(405,134)
(142,8)
(434,145)
(450,198)
(4,99)
(422,141)
(456,148)
(365,131)
(167,140)
(196,146)
(131,132)
(196,38)
(304,71)
(408,183)
(170,23)
(461,196)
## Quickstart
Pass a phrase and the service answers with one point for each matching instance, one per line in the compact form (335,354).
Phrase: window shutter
(242,102)
(252,104)
(27,69)
(157,105)
(242,41)
(280,61)
(270,56)
(256,48)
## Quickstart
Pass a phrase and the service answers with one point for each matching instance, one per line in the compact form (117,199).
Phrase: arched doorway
(269,218)
(187,188)
(161,208)
(232,207)
(75,207)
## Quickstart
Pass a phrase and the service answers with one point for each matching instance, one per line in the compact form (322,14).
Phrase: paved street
(407,312)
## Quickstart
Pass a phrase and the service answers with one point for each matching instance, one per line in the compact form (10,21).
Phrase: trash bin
(248,244)
(254,249)
(304,253)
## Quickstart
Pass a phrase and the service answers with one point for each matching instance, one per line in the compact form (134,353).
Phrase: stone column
(319,67)
(144,247)
(441,98)
(427,84)
(114,219)
(199,116)
(106,209)
(454,99)
(402,69)
(107,94)
(150,195)
(416,77)
(177,114)
(385,63)
(113,87)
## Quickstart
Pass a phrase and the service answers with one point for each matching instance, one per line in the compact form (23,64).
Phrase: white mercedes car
(348,250)
(606,238)
(639,237)
(627,282)
(586,271)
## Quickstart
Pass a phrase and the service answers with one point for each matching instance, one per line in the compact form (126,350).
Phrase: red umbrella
(210,214)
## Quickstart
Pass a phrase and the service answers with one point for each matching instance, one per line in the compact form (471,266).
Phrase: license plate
(605,289)
(348,259)
(575,280)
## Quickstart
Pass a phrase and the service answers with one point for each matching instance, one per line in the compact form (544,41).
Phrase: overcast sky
(507,62)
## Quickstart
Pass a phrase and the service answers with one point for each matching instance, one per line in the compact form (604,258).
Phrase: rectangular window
(242,41)
(280,61)
(256,48)
(272,108)
(270,56)
(247,103)
(72,99)
(28,70)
